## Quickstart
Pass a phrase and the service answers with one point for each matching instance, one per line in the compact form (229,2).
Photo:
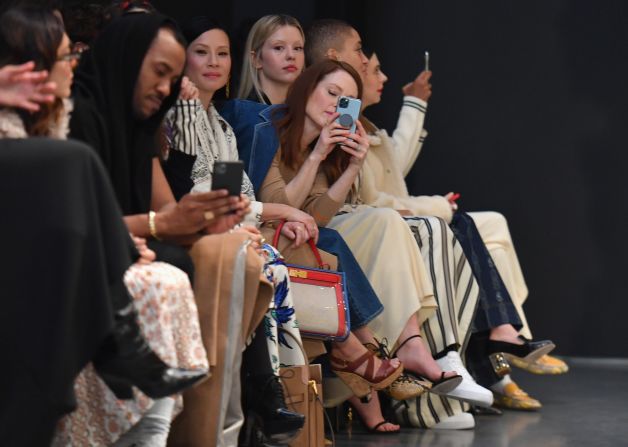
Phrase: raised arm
(308,188)
(409,134)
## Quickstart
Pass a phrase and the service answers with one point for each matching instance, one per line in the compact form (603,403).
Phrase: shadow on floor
(586,407)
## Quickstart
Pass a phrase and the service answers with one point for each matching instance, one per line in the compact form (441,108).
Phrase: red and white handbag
(320,298)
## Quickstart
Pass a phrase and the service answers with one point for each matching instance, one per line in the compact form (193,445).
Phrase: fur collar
(11,125)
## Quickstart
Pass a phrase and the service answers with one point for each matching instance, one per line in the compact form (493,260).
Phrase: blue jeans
(495,305)
(364,305)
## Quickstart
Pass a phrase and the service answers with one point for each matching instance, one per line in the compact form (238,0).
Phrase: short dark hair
(322,35)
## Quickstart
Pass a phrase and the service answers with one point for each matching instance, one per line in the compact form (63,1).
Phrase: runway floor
(586,407)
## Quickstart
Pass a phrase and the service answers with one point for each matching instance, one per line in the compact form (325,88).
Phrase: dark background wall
(527,118)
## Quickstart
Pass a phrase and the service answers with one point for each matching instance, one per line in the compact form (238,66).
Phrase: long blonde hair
(260,32)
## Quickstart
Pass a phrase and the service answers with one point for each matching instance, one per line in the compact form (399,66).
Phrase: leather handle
(310,242)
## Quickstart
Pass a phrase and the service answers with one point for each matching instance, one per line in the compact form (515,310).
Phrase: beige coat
(390,159)
(382,184)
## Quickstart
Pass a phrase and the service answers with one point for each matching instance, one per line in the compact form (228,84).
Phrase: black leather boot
(126,359)
(277,422)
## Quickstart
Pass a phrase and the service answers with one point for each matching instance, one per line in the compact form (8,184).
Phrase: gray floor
(586,407)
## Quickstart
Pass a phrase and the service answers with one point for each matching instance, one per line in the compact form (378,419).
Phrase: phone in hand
(427,61)
(349,110)
(228,175)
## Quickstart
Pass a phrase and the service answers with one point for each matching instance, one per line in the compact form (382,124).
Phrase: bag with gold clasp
(320,298)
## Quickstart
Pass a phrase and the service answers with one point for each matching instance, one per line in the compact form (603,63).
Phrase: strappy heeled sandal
(361,384)
(441,386)
(405,386)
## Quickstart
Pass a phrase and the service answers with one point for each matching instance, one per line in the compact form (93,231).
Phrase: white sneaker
(468,390)
(461,421)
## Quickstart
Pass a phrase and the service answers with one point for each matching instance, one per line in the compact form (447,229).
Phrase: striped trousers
(432,276)
(456,293)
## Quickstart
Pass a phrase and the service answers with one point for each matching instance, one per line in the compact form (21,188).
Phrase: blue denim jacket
(257,145)
(255,133)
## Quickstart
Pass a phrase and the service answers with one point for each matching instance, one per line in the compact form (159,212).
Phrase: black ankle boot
(126,359)
(269,405)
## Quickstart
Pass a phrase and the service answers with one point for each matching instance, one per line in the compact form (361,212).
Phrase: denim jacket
(255,133)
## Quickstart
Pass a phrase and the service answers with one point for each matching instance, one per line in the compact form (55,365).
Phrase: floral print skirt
(168,319)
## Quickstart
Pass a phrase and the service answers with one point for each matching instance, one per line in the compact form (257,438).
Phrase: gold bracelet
(151,225)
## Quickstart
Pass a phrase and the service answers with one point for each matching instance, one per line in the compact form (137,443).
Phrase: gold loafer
(514,398)
(546,365)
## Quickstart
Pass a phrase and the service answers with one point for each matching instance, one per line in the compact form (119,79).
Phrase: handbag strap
(310,242)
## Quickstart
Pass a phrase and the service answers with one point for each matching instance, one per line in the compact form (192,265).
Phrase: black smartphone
(228,175)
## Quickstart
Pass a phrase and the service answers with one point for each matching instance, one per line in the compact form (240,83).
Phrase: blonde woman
(273,58)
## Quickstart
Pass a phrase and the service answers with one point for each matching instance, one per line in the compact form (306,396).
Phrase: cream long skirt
(384,247)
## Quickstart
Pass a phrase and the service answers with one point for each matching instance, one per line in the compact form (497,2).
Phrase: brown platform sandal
(361,384)
(441,386)
(405,386)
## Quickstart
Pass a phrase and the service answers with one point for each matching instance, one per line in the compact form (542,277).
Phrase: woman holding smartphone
(315,168)
(198,137)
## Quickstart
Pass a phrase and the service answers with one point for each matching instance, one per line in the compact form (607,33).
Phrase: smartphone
(427,61)
(228,175)
(349,109)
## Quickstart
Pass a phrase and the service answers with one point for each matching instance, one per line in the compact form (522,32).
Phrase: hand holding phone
(420,87)
(228,175)
(349,110)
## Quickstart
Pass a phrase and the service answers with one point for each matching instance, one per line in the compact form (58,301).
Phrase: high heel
(441,386)
(444,385)
(125,360)
(405,386)
(268,407)
(523,355)
(500,365)
(361,384)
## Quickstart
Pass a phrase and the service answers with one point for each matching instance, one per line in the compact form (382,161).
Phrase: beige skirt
(384,247)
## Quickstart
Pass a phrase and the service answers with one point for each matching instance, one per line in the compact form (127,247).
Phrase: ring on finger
(209,215)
